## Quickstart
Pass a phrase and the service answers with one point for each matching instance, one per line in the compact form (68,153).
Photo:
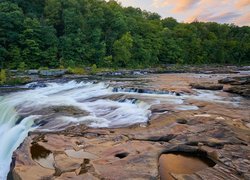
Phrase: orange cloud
(242,3)
(244,20)
(179,5)
(185,4)
(221,11)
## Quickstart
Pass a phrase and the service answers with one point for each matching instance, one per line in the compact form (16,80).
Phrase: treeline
(74,33)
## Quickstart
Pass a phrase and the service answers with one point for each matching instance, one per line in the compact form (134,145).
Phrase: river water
(56,106)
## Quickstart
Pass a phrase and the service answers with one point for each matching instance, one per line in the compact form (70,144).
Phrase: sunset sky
(222,11)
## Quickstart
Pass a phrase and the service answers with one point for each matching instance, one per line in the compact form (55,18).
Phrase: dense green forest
(70,33)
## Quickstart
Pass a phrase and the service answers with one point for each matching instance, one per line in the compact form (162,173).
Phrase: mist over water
(60,105)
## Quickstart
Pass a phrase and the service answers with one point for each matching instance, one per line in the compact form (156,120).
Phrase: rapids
(97,105)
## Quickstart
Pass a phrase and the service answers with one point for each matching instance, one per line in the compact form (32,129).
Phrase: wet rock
(207,86)
(52,72)
(176,163)
(140,91)
(33,72)
(10,89)
(61,110)
(35,85)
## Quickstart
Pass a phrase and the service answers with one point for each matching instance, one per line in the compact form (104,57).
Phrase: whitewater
(102,105)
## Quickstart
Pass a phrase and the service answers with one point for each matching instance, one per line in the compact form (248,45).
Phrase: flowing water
(55,106)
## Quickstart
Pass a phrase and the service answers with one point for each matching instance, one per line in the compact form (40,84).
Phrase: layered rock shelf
(218,129)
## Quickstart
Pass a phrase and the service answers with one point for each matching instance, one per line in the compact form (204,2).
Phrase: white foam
(102,112)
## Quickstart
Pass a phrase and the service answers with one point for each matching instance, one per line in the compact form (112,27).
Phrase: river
(56,106)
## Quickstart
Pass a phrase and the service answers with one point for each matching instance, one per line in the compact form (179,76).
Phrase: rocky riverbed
(212,124)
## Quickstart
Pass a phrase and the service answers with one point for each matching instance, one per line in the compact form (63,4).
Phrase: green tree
(2,76)
(122,50)
(169,23)
(11,26)
(69,33)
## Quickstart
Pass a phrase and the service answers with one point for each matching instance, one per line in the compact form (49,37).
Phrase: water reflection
(42,156)
(182,164)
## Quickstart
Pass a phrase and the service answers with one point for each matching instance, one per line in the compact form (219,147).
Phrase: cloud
(222,17)
(179,5)
(185,5)
(221,11)
(242,3)
(243,20)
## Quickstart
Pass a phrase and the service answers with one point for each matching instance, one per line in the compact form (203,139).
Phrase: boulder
(238,85)
(227,80)
(53,72)
(243,80)
(33,72)
(243,90)
(35,85)
(207,86)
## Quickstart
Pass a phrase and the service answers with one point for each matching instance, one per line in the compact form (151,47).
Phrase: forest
(80,33)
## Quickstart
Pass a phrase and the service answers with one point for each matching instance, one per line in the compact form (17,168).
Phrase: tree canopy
(53,33)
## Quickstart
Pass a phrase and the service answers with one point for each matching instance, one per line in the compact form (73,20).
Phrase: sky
(221,11)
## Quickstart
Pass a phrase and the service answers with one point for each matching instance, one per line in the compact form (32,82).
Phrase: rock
(52,72)
(243,90)
(72,176)
(239,85)
(248,125)
(227,80)
(143,91)
(10,89)
(181,121)
(242,80)
(33,72)
(139,72)
(67,164)
(61,110)
(35,85)
(80,154)
(133,153)
(207,86)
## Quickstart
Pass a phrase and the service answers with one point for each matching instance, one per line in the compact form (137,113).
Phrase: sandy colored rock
(207,86)
(67,164)
(220,130)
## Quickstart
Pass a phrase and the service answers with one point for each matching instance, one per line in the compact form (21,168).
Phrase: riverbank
(182,120)
(17,77)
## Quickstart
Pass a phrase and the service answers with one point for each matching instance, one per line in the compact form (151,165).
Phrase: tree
(11,25)
(122,50)
(69,33)
(169,22)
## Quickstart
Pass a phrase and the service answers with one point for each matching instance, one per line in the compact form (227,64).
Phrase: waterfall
(11,134)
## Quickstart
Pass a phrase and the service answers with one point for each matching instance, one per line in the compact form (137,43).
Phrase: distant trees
(122,50)
(70,33)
